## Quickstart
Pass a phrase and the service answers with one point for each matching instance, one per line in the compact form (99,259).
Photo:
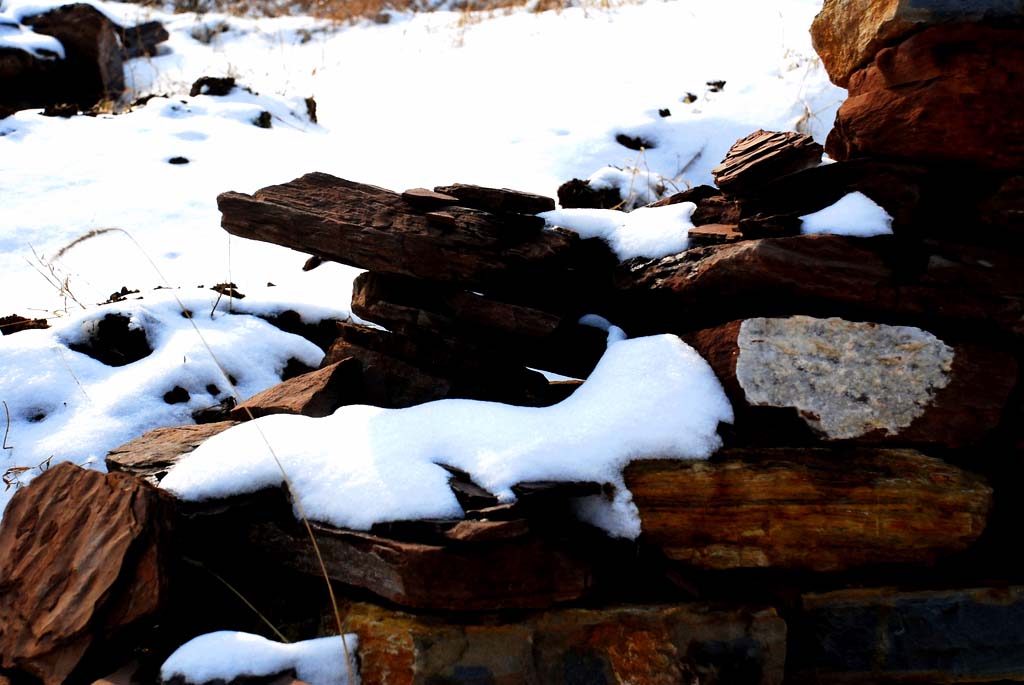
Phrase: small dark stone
(578,193)
(665,112)
(213,389)
(312,263)
(14,324)
(382,18)
(311,109)
(65,110)
(176,395)
(212,85)
(228,290)
(689,99)
(263,120)
(634,142)
(178,160)
(716,86)
(114,342)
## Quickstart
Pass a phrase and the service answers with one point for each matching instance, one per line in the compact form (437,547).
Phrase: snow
(651,232)
(67,406)
(855,214)
(227,655)
(648,397)
(13,35)
(514,99)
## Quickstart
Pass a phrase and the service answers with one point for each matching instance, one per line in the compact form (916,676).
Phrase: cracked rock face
(846,379)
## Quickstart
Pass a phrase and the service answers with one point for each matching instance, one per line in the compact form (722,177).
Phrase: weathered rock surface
(376,229)
(946,94)
(810,508)
(940,287)
(317,393)
(884,635)
(142,39)
(762,157)
(653,645)
(848,34)
(83,558)
(152,455)
(576,193)
(861,381)
(497,200)
(14,324)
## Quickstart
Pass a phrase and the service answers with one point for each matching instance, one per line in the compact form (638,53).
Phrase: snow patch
(651,232)
(855,214)
(648,397)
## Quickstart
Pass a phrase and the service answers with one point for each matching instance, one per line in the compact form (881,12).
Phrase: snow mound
(225,656)
(855,214)
(647,397)
(651,232)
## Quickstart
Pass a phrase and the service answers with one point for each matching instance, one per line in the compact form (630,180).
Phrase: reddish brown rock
(847,34)
(577,193)
(649,644)
(83,559)
(762,157)
(946,94)
(808,508)
(714,234)
(877,635)
(93,69)
(15,324)
(152,455)
(857,381)
(497,200)
(941,287)
(317,393)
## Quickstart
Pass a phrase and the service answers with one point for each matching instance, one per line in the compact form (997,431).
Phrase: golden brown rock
(317,393)
(151,455)
(807,508)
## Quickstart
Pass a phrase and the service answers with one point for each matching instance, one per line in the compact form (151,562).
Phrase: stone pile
(859,525)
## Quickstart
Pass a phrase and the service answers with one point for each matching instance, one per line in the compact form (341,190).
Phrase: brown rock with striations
(317,393)
(497,200)
(82,559)
(762,157)
(152,455)
(857,381)
(947,94)
(808,508)
(650,644)
(847,34)
(940,287)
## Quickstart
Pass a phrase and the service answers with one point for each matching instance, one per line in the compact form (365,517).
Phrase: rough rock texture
(815,509)
(152,455)
(14,324)
(93,69)
(884,635)
(83,557)
(497,200)
(947,94)
(939,287)
(863,381)
(653,645)
(762,157)
(847,34)
(317,393)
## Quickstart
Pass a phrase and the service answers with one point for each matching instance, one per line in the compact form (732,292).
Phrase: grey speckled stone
(846,379)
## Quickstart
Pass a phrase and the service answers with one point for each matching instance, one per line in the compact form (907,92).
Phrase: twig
(229,586)
(7,430)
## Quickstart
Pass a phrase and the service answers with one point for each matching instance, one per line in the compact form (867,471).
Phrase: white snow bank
(651,232)
(13,35)
(637,187)
(66,405)
(647,397)
(227,655)
(855,214)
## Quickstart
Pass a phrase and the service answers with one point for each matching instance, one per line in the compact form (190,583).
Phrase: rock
(497,200)
(697,194)
(884,635)
(27,80)
(943,288)
(647,644)
(578,193)
(375,229)
(212,85)
(808,508)
(762,157)
(637,143)
(965,72)
(92,69)
(858,381)
(545,336)
(83,563)
(13,323)
(769,226)
(848,34)
(317,393)
(1005,207)
(714,234)
(141,40)
(428,199)
(152,455)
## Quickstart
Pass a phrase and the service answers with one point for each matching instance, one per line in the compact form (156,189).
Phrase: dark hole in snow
(178,160)
(213,389)
(294,368)
(176,395)
(232,380)
(113,342)
(37,417)
(263,120)
(634,142)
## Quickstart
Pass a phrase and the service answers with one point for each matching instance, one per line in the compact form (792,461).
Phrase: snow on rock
(225,655)
(68,406)
(13,35)
(648,397)
(651,232)
(637,187)
(855,214)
